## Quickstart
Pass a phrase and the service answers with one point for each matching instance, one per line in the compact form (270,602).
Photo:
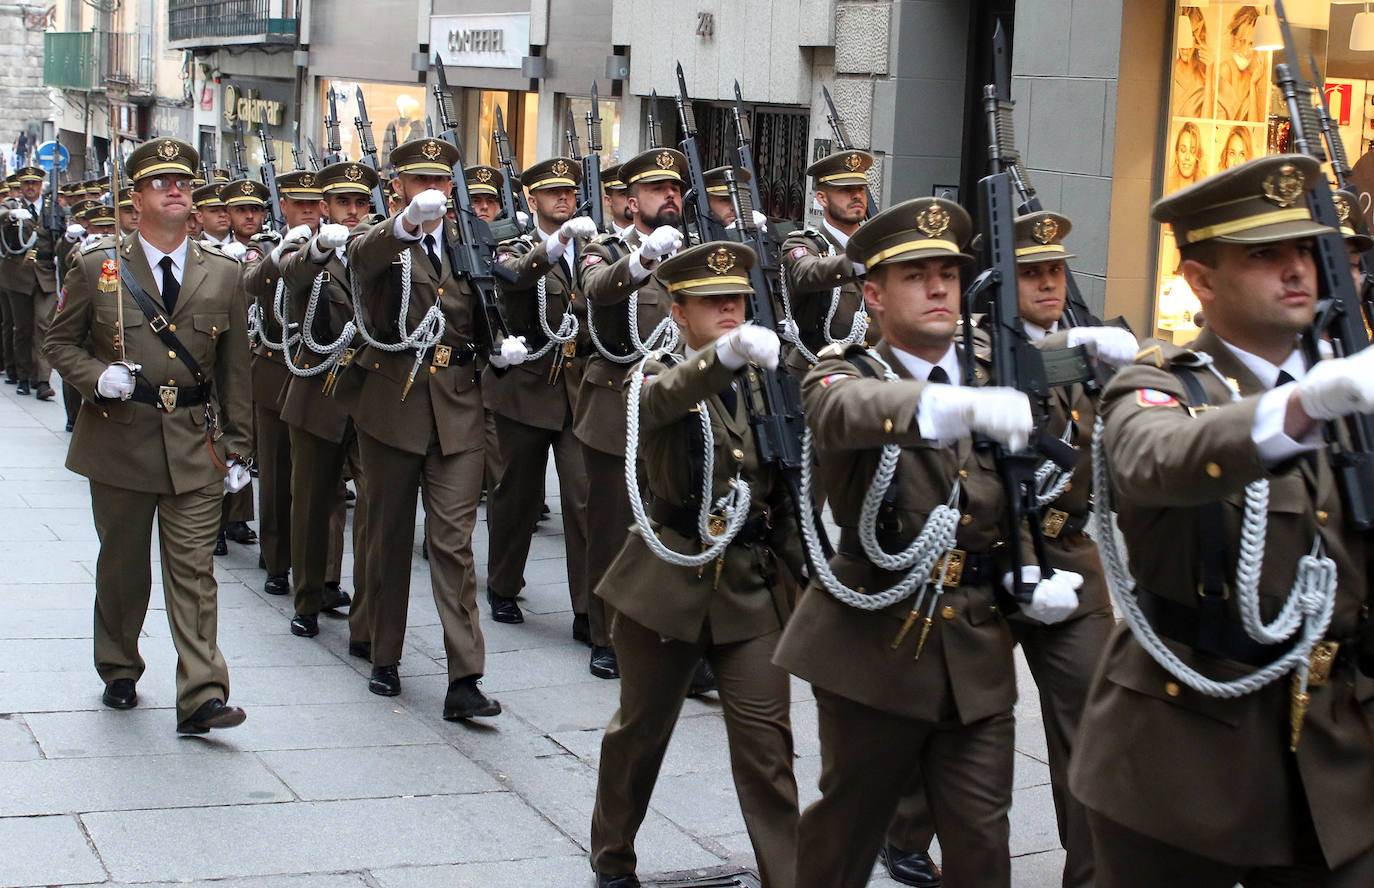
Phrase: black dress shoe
(10,378)
(504,610)
(704,681)
(582,629)
(604,663)
(911,869)
(212,714)
(240,532)
(544,513)
(424,548)
(385,681)
(23,388)
(605,881)
(335,598)
(465,700)
(221,544)
(360,649)
(349,496)
(120,694)
(276,584)
(71,426)
(305,625)
(43,392)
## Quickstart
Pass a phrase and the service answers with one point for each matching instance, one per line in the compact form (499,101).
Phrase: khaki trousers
(319,514)
(187,524)
(274,489)
(1128,859)
(7,335)
(452,486)
(654,676)
(239,506)
(513,509)
(44,304)
(869,757)
(22,358)
(609,516)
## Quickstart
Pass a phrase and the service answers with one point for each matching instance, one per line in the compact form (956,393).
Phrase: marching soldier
(821,281)
(731,609)
(7,350)
(155,339)
(1356,244)
(28,280)
(212,214)
(926,684)
(622,289)
(535,402)
(247,204)
(617,202)
(484,187)
(1222,742)
(323,440)
(419,425)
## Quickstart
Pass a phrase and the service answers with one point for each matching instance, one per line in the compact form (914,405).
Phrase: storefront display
(1225,109)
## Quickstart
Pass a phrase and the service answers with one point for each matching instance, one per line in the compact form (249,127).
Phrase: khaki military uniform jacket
(444,394)
(536,393)
(36,269)
(607,283)
(812,277)
(1209,775)
(305,404)
(965,669)
(134,445)
(681,602)
(270,376)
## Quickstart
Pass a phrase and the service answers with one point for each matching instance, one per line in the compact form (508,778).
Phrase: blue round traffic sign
(44,156)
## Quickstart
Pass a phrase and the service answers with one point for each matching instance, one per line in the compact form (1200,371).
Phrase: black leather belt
(965,568)
(1058,524)
(169,397)
(450,356)
(1211,632)
(683,519)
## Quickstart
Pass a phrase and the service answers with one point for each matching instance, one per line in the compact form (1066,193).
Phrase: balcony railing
(128,61)
(215,22)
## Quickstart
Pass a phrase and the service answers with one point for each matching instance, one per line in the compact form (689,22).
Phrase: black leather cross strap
(683,520)
(978,567)
(158,323)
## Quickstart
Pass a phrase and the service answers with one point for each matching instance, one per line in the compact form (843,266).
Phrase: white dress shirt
(155,258)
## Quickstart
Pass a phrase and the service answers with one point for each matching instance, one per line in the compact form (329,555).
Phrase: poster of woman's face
(1191,145)
(1242,71)
(1237,144)
(1194,55)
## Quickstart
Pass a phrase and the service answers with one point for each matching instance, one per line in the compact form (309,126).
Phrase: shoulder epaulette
(105,242)
(1163,355)
(836,350)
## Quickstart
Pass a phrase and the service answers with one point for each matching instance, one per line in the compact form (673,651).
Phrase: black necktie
(170,288)
(433,256)
(727,397)
(938,374)
(567,267)
(1284,378)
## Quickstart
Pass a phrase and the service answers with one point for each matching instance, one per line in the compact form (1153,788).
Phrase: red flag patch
(835,377)
(591,260)
(1154,398)
(798,252)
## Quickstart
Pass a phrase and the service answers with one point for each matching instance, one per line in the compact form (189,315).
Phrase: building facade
(24,101)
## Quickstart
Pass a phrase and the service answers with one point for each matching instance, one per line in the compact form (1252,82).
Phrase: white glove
(577,226)
(115,382)
(760,220)
(75,232)
(1339,386)
(291,240)
(749,344)
(426,206)
(19,214)
(950,412)
(234,250)
(1054,599)
(664,240)
(238,477)
(331,236)
(513,351)
(1112,345)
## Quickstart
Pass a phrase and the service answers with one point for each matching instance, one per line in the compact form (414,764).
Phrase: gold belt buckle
(33,255)
(1321,661)
(715,525)
(347,357)
(442,354)
(167,396)
(955,557)
(1053,524)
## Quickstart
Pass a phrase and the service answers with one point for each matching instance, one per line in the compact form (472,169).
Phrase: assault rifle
(333,142)
(842,142)
(592,204)
(312,154)
(238,167)
(268,172)
(1002,148)
(56,226)
(512,200)
(1350,441)
(368,158)
(296,157)
(655,126)
(772,398)
(472,252)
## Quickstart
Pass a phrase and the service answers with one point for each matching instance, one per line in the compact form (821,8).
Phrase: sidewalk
(327,785)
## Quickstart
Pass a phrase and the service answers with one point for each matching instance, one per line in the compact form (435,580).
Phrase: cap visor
(1279,231)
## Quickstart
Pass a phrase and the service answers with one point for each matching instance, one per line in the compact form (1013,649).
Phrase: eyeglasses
(180,183)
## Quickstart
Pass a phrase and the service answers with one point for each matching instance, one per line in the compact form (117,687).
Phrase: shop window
(397,112)
(1224,109)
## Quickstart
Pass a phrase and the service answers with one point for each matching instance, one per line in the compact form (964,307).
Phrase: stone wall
(23,97)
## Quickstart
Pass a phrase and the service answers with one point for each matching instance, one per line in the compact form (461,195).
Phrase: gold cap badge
(307,180)
(353,173)
(1045,230)
(933,220)
(246,187)
(560,168)
(167,150)
(853,162)
(431,149)
(664,160)
(484,175)
(721,261)
(1283,186)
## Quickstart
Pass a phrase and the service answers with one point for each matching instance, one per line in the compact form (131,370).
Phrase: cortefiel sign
(480,41)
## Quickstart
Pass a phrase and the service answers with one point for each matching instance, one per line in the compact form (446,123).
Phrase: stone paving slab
(378,772)
(46,851)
